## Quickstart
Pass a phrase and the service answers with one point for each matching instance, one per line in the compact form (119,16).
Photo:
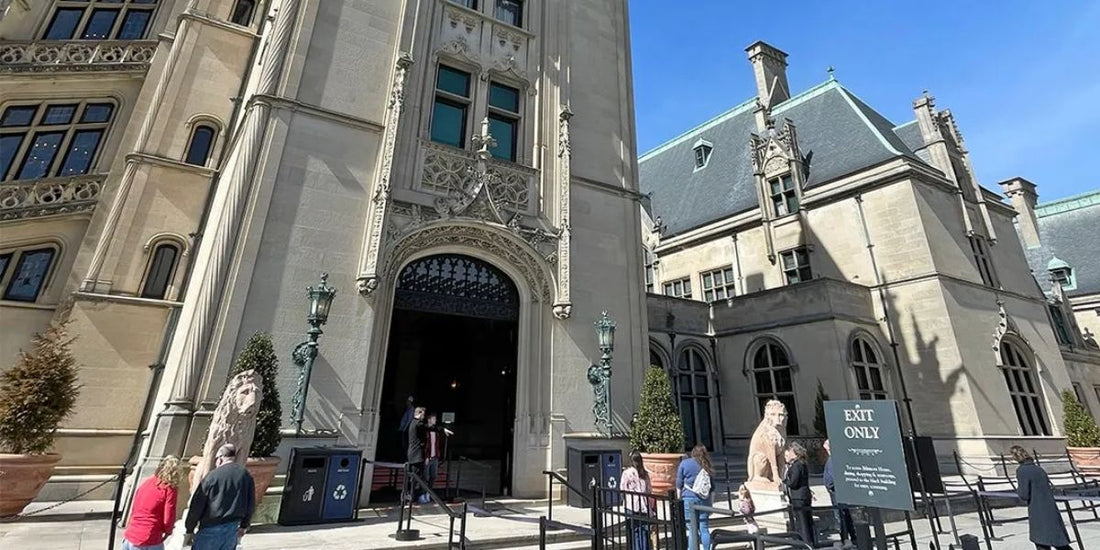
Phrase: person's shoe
(424,499)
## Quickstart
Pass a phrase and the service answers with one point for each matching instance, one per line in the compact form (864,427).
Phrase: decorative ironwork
(49,196)
(83,55)
(600,375)
(453,284)
(320,301)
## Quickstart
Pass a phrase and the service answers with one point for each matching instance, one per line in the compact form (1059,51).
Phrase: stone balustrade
(80,55)
(443,169)
(50,196)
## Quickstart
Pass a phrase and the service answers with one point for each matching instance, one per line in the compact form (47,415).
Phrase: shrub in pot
(1082,434)
(35,396)
(657,431)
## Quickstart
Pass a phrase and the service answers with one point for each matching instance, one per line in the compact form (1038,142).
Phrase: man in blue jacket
(842,514)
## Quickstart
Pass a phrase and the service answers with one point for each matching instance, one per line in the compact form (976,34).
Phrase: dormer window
(702,150)
(784,195)
(1061,273)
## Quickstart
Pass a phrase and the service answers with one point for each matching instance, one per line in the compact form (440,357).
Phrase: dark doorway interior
(453,348)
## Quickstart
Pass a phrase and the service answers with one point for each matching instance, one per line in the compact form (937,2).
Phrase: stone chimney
(769,65)
(1023,196)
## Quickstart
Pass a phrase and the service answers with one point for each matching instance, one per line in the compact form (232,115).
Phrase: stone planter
(261,469)
(1086,459)
(21,477)
(662,470)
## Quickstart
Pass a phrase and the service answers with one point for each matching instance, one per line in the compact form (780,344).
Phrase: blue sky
(1022,78)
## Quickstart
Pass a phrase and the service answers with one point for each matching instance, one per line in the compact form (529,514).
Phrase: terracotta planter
(1085,458)
(21,477)
(261,469)
(662,470)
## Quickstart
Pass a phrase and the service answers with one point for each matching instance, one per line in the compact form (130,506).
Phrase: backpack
(701,486)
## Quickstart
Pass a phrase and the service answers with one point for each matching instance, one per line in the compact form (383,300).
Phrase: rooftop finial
(831,70)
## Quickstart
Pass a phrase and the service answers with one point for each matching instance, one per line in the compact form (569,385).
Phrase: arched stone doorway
(453,347)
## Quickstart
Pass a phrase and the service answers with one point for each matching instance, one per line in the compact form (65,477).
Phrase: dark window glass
(472,4)
(454,81)
(19,115)
(133,25)
(510,11)
(63,26)
(99,24)
(38,160)
(58,114)
(5,259)
(160,272)
(242,12)
(503,97)
(198,152)
(97,112)
(30,275)
(448,123)
(504,131)
(9,147)
(82,150)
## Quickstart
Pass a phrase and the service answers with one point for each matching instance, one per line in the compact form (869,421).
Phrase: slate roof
(837,132)
(1069,229)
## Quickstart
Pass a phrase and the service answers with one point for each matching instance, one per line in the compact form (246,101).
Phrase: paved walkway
(84,526)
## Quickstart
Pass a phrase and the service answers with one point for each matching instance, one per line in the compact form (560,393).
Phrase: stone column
(563,306)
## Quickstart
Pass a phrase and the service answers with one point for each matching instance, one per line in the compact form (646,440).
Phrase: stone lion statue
(766,462)
(234,422)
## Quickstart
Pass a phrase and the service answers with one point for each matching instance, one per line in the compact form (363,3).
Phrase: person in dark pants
(841,512)
(406,419)
(433,450)
(222,505)
(796,484)
(1044,522)
(416,459)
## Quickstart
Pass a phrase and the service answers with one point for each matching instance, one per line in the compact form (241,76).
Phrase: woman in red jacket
(153,513)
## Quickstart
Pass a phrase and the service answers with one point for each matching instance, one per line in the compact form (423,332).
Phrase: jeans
(126,545)
(431,469)
(638,525)
(217,537)
(703,522)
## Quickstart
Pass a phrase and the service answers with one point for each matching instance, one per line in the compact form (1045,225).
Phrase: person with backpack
(796,485)
(693,484)
(639,507)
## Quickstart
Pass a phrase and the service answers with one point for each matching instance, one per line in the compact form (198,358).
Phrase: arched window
(868,370)
(773,380)
(1024,389)
(202,141)
(242,12)
(655,358)
(162,265)
(694,396)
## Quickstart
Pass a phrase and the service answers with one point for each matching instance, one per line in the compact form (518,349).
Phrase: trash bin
(321,486)
(584,466)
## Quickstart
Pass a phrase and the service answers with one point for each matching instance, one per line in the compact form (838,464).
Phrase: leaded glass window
(100,19)
(202,141)
(28,277)
(868,370)
(784,195)
(773,379)
(1023,390)
(680,288)
(717,284)
(504,120)
(162,266)
(452,102)
(510,11)
(52,139)
(694,395)
(796,266)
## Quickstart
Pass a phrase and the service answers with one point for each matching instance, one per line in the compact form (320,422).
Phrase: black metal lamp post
(600,375)
(320,300)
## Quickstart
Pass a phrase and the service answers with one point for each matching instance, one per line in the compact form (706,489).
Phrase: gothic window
(242,12)
(202,141)
(453,284)
(655,358)
(51,139)
(1061,327)
(784,195)
(679,289)
(717,284)
(100,19)
(694,397)
(510,11)
(650,270)
(981,259)
(1080,395)
(162,265)
(773,379)
(452,101)
(503,120)
(868,370)
(702,149)
(1023,390)
(796,266)
(31,267)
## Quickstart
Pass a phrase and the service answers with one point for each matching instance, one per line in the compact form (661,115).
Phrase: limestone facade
(823,244)
(266,142)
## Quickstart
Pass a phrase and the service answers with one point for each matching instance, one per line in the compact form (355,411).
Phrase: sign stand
(880,528)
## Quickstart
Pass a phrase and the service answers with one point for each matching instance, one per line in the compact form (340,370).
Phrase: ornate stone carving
(79,55)
(563,304)
(50,196)
(234,422)
(1004,326)
(453,172)
(766,462)
(367,281)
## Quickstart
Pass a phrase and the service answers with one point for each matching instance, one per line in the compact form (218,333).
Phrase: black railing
(485,468)
(415,483)
(619,516)
(551,477)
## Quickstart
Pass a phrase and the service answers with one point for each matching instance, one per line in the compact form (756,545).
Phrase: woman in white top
(636,488)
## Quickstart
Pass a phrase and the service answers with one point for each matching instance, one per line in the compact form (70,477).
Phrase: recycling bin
(321,486)
(585,466)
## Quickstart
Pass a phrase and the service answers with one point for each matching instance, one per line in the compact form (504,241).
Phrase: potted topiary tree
(658,432)
(35,396)
(1082,434)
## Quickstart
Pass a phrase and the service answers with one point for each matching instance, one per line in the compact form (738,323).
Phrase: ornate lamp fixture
(320,300)
(600,375)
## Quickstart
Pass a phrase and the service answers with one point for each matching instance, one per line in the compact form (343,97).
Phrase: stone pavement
(84,526)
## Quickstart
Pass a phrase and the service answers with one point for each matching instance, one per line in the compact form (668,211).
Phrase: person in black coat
(416,458)
(1044,522)
(796,485)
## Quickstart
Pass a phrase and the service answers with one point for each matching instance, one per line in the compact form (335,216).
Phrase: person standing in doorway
(796,484)
(154,507)
(406,419)
(693,482)
(638,506)
(841,513)
(1044,522)
(418,440)
(434,451)
(222,505)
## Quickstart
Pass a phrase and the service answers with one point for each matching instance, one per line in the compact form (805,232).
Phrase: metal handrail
(552,476)
(458,477)
(412,480)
